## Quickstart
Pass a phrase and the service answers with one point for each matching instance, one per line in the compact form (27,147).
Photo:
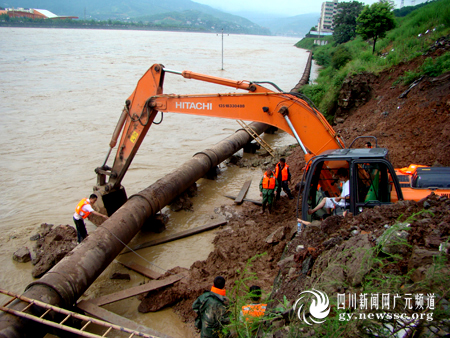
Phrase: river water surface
(61,94)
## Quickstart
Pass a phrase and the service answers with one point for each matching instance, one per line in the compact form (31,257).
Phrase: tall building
(329,10)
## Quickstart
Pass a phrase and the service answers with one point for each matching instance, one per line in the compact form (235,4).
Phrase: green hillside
(201,21)
(107,9)
(412,37)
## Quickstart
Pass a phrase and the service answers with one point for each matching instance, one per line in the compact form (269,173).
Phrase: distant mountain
(135,10)
(105,9)
(200,20)
(297,26)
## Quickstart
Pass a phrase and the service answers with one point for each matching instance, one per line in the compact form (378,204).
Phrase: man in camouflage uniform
(211,309)
(268,188)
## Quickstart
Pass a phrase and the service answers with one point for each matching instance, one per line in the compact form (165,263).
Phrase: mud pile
(331,253)
(246,236)
(415,126)
(53,246)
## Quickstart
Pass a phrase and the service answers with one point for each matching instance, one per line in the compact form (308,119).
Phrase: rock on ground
(22,255)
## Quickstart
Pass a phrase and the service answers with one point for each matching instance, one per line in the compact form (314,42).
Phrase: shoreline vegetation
(103,26)
(179,25)
(415,35)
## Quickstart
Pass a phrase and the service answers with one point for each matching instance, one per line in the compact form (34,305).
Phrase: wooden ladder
(257,138)
(110,328)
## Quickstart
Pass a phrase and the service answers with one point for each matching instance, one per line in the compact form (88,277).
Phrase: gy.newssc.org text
(411,306)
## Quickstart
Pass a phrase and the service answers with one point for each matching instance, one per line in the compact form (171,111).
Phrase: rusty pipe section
(70,278)
(306,74)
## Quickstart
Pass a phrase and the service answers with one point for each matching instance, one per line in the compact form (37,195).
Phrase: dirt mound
(425,223)
(415,128)
(333,253)
(52,246)
(247,235)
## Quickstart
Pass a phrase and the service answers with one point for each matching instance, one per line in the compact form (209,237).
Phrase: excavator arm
(287,111)
(284,111)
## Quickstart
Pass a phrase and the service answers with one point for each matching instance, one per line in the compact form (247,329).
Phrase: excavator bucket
(112,201)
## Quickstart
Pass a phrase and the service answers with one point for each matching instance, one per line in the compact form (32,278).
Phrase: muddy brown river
(61,94)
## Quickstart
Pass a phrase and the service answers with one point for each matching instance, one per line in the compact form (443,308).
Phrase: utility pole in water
(222,48)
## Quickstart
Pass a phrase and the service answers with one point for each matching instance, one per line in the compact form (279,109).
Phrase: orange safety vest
(221,292)
(268,182)
(284,172)
(79,207)
(253,310)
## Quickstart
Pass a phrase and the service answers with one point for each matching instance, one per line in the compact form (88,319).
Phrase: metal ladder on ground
(110,328)
(257,138)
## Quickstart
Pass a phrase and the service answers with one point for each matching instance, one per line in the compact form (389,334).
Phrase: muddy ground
(415,129)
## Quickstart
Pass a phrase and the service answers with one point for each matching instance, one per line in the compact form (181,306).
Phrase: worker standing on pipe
(82,211)
(268,187)
(283,176)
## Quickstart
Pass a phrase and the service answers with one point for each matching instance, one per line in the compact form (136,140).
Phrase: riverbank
(70,25)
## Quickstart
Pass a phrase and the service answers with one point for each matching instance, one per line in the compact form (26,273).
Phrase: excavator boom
(287,111)
(270,108)
(372,175)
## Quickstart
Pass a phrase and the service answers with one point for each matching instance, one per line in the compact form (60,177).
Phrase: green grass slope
(413,36)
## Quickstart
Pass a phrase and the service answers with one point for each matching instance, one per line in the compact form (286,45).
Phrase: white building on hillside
(329,10)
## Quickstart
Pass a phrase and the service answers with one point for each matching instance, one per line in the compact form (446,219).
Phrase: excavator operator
(330,203)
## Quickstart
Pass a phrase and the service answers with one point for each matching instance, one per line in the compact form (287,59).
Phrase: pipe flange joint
(66,296)
(213,158)
(150,203)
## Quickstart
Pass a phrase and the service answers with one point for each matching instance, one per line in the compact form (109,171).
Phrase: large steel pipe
(306,74)
(71,277)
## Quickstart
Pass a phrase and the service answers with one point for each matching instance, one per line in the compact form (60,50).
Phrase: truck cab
(372,180)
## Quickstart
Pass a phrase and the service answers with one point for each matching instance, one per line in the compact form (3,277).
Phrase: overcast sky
(279,7)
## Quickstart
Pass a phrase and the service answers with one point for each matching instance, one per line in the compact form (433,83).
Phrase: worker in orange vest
(255,309)
(283,176)
(82,211)
(268,188)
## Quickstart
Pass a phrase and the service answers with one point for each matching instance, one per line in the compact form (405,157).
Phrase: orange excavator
(373,180)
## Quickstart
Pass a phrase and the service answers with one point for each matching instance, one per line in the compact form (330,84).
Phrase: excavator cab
(372,181)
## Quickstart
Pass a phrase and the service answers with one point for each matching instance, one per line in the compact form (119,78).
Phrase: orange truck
(373,180)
